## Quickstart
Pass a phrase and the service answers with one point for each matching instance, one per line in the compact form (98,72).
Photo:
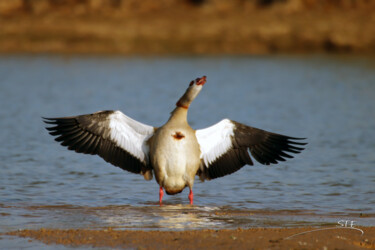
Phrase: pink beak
(201,81)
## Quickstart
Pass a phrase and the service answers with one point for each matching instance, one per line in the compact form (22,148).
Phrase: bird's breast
(178,135)
(174,153)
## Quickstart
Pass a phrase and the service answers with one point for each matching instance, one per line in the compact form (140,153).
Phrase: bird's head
(192,91)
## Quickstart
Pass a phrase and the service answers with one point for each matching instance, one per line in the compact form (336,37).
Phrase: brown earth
(187,27)
(259,238)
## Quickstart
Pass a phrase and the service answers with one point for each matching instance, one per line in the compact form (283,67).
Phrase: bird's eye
(191,83)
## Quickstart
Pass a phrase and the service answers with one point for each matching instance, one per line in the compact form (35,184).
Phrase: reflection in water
(186,217)
(167,217)
(163,217)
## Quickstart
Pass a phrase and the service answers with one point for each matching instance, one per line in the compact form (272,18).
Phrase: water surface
(330,100)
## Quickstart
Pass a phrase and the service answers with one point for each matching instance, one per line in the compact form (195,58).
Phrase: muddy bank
(259,238)
(187,27)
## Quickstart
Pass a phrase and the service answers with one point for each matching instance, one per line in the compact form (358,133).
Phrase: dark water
(330,100)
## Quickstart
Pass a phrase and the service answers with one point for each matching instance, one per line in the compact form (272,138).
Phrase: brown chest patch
(178,135)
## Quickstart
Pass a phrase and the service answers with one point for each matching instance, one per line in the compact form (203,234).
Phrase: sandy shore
(179,27)
(257,238)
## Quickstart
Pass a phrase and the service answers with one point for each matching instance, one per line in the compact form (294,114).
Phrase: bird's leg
(191,196)
(161,193)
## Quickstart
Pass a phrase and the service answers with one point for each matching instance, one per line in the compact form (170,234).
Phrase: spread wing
(225,148)
(112,135)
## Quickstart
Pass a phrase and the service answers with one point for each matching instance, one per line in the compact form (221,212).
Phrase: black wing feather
(75,134)
(266,148)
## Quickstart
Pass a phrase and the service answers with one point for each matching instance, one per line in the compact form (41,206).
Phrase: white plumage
(130,135)
(216,140)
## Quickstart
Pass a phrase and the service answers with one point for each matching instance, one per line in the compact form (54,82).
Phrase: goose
(175,153)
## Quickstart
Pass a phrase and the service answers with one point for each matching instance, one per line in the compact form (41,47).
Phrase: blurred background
(187,26)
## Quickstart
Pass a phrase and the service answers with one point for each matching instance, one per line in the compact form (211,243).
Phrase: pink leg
(191,197)
(161,193)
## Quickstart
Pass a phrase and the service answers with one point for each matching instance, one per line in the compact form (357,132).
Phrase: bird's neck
(179,115)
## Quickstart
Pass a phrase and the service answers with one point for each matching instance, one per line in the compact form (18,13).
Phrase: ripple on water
(171,217)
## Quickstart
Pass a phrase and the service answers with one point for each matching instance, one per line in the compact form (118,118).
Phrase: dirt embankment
(187,26)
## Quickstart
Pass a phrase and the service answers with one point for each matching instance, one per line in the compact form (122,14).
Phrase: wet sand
(257,238)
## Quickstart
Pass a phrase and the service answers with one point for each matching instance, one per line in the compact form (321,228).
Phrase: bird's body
(174,152)
(174,155)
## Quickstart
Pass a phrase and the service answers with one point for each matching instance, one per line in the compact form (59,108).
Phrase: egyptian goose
(174,152)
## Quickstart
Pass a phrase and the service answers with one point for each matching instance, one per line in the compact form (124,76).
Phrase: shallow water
(330,100)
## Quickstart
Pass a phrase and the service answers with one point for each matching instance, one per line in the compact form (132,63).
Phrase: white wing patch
(215,141)
(130,135)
